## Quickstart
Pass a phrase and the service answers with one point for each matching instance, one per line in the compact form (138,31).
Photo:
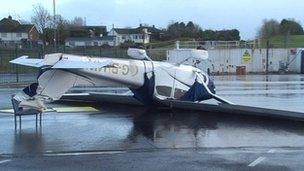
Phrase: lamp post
(55,29)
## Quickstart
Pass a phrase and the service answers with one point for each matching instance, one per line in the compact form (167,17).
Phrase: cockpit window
(164,90)
(178,93)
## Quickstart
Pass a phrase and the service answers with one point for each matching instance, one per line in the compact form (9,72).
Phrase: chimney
(10,17)
(153,26)
(145,31)
(140,25)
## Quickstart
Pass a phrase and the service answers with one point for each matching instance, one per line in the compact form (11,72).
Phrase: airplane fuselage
(171,81)
(145,78)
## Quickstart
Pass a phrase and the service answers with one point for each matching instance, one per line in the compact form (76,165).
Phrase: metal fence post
(267,56)
(17,67)
(1,58)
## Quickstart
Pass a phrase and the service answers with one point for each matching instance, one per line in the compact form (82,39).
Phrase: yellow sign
(246,57)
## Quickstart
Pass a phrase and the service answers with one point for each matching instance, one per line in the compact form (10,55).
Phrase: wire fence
(10,73)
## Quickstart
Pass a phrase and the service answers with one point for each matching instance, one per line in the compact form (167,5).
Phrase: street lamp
(55,29)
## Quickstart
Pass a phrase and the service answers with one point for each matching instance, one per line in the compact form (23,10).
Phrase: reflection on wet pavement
(283,92)
(125,128)
(28,142)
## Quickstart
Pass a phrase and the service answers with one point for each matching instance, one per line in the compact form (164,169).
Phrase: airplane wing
(55,82)
(25,60)
(62,63)
(68,64)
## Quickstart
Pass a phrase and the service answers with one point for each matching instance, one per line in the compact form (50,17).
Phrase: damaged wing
(25,60)
(54,83)
(69,64)
(60,73)
(63,61)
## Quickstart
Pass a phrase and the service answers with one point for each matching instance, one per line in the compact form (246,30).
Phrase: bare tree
(269,29)
(41,18)
(62,29)
(78,21)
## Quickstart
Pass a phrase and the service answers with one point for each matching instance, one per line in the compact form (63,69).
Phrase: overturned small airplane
(150,81)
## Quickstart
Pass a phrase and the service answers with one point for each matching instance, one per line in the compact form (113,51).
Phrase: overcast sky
(245,15)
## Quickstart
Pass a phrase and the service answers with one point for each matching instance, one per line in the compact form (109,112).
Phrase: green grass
(292,41)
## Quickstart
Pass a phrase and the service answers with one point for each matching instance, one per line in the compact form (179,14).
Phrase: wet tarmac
(283,92)
(123,137)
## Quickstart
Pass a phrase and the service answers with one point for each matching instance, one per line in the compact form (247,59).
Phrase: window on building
(135,36)
(123,37)
(88,43)
(18,34)
(3,34)
(72,43)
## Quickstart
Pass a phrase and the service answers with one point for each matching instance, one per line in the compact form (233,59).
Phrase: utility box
(240,70)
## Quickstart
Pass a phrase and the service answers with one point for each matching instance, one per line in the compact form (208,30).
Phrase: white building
(91,41)
(11,31)
(137,35)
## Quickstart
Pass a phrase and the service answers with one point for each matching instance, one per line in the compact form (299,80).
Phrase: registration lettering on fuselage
(119,69)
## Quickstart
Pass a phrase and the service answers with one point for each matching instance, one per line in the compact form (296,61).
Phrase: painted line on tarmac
(260,159)
(5,161)
(84,153)
(257,161)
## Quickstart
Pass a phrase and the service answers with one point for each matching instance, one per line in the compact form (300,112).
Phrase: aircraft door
(164,82)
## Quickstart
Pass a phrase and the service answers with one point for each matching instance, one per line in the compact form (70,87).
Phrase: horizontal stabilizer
(24,60)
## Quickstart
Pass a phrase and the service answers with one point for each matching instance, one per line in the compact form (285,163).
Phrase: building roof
(24,28)
(97,29)
(137,30)
(127,31)
(88,27)
(9,21)
(10,25)
(88,39)
(152,29)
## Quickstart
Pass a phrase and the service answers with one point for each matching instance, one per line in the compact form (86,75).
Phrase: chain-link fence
(13,73)
(10,73)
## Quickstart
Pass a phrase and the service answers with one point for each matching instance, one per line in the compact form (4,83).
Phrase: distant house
(11,31)
(87,31)
(155,33)
(136,35)
(91,41)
